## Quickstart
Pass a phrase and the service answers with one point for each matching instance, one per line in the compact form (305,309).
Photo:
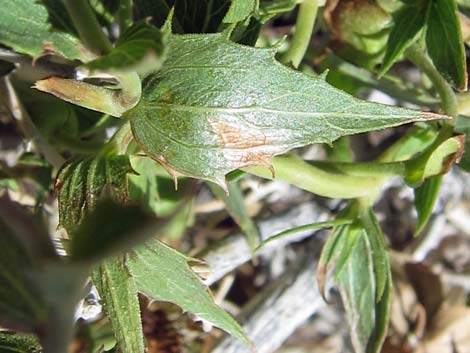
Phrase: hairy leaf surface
(82,182)
(17,343)
(216,106)
(24,27)
(164,274)
(117,288)
(239,10)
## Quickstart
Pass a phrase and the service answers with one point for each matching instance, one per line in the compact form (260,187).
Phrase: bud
(362,24)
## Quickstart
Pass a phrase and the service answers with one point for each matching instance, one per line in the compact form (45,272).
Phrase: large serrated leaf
(216,106)
(164,274)
(117,288)
(24,27)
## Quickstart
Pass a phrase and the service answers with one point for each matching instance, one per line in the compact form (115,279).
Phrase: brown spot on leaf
(234,136)
(243,146)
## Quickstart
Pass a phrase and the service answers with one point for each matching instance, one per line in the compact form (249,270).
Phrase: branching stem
(449,103)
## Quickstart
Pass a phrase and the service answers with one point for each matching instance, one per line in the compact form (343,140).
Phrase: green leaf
(425,199)
(435,161)
(408,22)
(216,106)
(153,188)
(378,247)
(235,206)
(239,10)
(463,127)
(17,343)
(140,48)
(118,293)
(444,42)
(81,183)
(24,27)
(367,317)
(164,274)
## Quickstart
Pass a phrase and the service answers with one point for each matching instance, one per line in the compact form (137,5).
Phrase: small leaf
(216,106)
(118,292)
(331,250)
(368,318)
(463,127)
(408,22)
(235,206)
(81,183)
(380,260)
(140,48)
(444,42)
(24,27)
(239,10)
(437,161)
(164,274)
(18,343)
(425,199)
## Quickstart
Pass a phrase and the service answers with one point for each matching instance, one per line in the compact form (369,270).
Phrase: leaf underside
(162,273)
(216,106)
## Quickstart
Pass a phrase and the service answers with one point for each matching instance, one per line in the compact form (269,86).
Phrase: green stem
(303,31)
(362,169)
(294,170)
(449,103)
(124,14)
(120,140)
(87,26)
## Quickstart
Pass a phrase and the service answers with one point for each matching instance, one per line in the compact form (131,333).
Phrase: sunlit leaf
(239,10)
(164,274)
(24,27)
(216,106)
(368,317)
